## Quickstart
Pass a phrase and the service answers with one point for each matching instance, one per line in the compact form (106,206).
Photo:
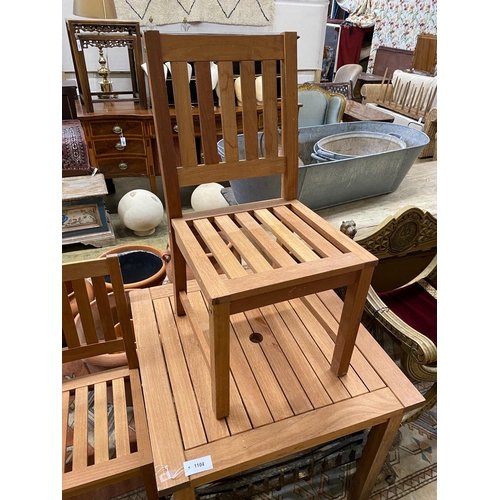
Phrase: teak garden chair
(129,453)
(289,251)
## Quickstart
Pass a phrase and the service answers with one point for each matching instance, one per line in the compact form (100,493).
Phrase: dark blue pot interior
(138,265)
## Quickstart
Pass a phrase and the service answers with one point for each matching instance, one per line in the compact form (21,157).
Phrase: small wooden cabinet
(120,138)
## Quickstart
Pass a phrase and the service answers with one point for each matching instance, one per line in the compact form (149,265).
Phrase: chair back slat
(184,115)
(206,111)
(68,323)
(218,114)
(85,311)
(92,331)
(250,123)
(106,317)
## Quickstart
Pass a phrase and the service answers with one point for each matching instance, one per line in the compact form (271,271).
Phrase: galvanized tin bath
(331,183)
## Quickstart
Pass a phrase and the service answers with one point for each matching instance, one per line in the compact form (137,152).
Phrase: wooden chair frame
(120,386)
(305,254)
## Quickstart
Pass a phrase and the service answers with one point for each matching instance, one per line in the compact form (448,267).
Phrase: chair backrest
(344,88)
(93,331)
(319,106)
(405,244)
(389,59)
(272,56)
(348,72)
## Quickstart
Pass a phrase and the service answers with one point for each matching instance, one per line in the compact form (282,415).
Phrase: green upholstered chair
(319,106)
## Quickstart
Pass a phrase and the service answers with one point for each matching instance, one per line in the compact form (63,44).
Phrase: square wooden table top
(284,397)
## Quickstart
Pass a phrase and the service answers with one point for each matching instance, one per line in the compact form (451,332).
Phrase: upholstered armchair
(319,106)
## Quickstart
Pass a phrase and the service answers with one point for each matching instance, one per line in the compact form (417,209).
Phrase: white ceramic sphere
(141,211)
(208,196)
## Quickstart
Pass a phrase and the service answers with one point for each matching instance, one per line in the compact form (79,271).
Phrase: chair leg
(180,279)
(350,319)
(377,447)
(219,328)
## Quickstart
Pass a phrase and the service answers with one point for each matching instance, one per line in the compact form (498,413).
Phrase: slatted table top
(284,397)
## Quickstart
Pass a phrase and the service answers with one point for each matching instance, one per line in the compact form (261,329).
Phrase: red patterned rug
(75,158)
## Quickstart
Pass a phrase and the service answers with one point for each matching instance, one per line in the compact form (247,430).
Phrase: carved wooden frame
(107,34)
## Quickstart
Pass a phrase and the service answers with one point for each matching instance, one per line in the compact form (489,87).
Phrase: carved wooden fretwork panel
(412,229)
(107,35)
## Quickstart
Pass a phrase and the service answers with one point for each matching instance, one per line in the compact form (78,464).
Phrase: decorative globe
(141,211)
(208,196)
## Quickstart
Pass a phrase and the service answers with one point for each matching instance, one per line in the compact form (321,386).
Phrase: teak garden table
(284,397)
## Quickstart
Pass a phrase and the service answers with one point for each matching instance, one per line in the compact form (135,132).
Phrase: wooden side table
(120,138)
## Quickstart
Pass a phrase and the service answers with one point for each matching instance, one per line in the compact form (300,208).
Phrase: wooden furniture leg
(219,327)
(185,494)
(349,322)
(377,447)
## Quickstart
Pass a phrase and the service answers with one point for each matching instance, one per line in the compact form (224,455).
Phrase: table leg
(184,494)
(377,447)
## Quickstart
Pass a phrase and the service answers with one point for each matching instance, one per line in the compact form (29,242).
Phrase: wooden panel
(108,127)
(276,319)
(279,440)
(160,406)
(269,387)
(101,428)
(389,59)
(113,146)
(425,56)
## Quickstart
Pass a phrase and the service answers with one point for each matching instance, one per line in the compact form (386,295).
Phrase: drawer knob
(122,165)
(176,128)
(119,146)
(117,129)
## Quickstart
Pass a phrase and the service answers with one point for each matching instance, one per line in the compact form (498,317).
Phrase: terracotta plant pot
(103,361)
(142,266)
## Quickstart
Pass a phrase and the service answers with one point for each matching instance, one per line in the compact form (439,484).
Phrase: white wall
(306,17)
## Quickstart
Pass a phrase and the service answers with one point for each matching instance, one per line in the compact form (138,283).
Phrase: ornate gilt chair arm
(416,345)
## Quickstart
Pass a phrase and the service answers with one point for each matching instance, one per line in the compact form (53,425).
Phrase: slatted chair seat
(105,436)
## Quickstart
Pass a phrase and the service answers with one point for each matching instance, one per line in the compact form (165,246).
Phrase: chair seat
(280,246)
(416,305)
(104,429)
